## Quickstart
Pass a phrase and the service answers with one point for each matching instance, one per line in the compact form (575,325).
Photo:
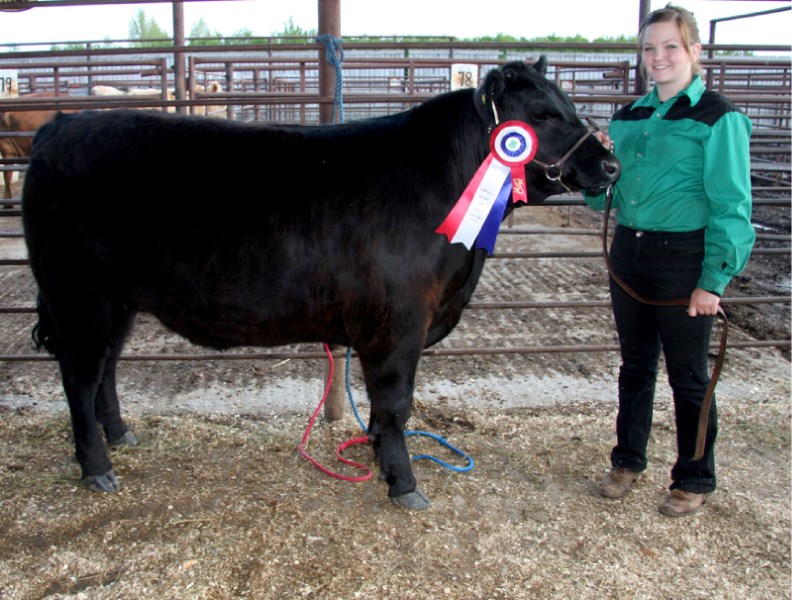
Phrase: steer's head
(521,92)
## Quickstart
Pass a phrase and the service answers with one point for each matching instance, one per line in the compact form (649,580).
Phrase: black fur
(317,234)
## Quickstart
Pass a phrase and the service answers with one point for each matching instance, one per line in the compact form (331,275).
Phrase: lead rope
(334,53)
(412,432)
(701,434)
(360,440)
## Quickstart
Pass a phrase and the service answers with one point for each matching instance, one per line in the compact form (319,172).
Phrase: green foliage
(146,30)
(292,30)
(398,39)
(575,39)
(143,28)
(498,37)
(83,46)
(617,39)
(201,35)
(553,38)
(245,36)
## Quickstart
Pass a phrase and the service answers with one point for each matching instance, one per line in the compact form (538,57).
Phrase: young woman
(683,231)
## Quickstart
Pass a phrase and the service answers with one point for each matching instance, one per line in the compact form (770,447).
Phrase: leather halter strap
(555,170)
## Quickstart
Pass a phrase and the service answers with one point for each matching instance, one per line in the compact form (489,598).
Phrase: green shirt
(686,166)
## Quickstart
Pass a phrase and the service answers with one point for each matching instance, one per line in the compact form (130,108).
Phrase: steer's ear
(541,65)
(488,92)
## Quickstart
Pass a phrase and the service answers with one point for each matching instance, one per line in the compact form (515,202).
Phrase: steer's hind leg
(86,338)
(108,409)
(390,381)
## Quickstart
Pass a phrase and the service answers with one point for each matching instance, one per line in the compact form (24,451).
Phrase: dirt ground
(217,504)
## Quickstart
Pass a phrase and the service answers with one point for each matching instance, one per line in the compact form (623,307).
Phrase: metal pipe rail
(23,262)
(311,48)
(510,305)
(434,352)
(777,106)
(516,304)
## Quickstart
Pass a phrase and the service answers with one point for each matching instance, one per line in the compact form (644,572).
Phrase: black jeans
(661,266)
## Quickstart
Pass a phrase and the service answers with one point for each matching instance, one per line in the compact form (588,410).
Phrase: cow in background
(211,87)
(19,147)
(217,111)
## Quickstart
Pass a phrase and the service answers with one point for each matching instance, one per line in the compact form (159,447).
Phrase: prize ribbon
(477,215)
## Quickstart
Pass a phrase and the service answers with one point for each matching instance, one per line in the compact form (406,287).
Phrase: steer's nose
(612,167)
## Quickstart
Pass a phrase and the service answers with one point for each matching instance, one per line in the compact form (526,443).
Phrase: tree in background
(142,28)
(201,35)
(146,30)
(244,36)
(292,30)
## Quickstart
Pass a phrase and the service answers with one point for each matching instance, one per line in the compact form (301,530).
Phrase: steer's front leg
(390,383)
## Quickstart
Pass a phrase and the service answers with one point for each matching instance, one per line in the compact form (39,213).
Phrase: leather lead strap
(701,434)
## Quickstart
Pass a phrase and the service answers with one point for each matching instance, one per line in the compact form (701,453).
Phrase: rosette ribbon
(477,215)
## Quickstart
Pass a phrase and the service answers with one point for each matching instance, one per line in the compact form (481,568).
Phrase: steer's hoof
(416,500)
(107,483)
(127,440)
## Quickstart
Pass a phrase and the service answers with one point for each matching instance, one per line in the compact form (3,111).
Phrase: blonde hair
(688,31)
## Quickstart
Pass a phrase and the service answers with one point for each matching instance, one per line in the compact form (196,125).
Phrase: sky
(460,18)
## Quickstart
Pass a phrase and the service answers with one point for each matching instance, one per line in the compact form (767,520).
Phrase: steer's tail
(44,332)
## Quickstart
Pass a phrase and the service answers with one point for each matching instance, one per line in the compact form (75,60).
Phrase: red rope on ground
(359,440)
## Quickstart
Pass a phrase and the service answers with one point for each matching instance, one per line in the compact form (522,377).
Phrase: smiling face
(667,58)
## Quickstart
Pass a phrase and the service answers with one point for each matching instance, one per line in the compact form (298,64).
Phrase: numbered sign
(8,83)
(464,76)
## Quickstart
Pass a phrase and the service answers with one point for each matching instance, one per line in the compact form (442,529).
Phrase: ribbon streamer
(476,216)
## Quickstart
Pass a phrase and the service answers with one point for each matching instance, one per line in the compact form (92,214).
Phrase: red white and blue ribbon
(477,215)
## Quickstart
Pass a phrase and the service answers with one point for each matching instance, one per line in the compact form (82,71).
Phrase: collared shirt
(686,166)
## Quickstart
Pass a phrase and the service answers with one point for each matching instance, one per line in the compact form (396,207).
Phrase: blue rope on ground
(411,432)
(335,56)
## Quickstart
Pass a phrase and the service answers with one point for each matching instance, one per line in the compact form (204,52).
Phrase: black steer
(319,234)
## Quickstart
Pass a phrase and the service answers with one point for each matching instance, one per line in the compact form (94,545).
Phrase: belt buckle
(639,234)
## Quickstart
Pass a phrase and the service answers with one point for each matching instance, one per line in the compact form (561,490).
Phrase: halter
(555,171)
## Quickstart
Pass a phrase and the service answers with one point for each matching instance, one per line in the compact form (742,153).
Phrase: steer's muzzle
(611,167)
(610,171)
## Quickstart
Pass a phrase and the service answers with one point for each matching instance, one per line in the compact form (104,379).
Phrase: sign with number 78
(464,76)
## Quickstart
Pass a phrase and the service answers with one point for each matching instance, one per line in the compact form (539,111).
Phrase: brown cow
(19,147)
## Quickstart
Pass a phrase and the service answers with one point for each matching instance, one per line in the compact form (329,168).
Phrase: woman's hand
(604,139)
(703,303)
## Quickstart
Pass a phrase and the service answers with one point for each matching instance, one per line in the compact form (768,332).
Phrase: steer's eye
(539,117)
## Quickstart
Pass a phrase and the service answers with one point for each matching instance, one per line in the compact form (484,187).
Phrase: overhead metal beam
(17,5)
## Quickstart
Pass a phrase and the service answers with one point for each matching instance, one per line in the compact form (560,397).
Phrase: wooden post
(334,404)
(179,71)
(329,22)
(645,7)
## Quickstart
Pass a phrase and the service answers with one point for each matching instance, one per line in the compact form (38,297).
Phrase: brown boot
(617,483)
(680,503)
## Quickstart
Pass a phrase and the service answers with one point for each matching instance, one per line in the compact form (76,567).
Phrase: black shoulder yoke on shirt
(711,107)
